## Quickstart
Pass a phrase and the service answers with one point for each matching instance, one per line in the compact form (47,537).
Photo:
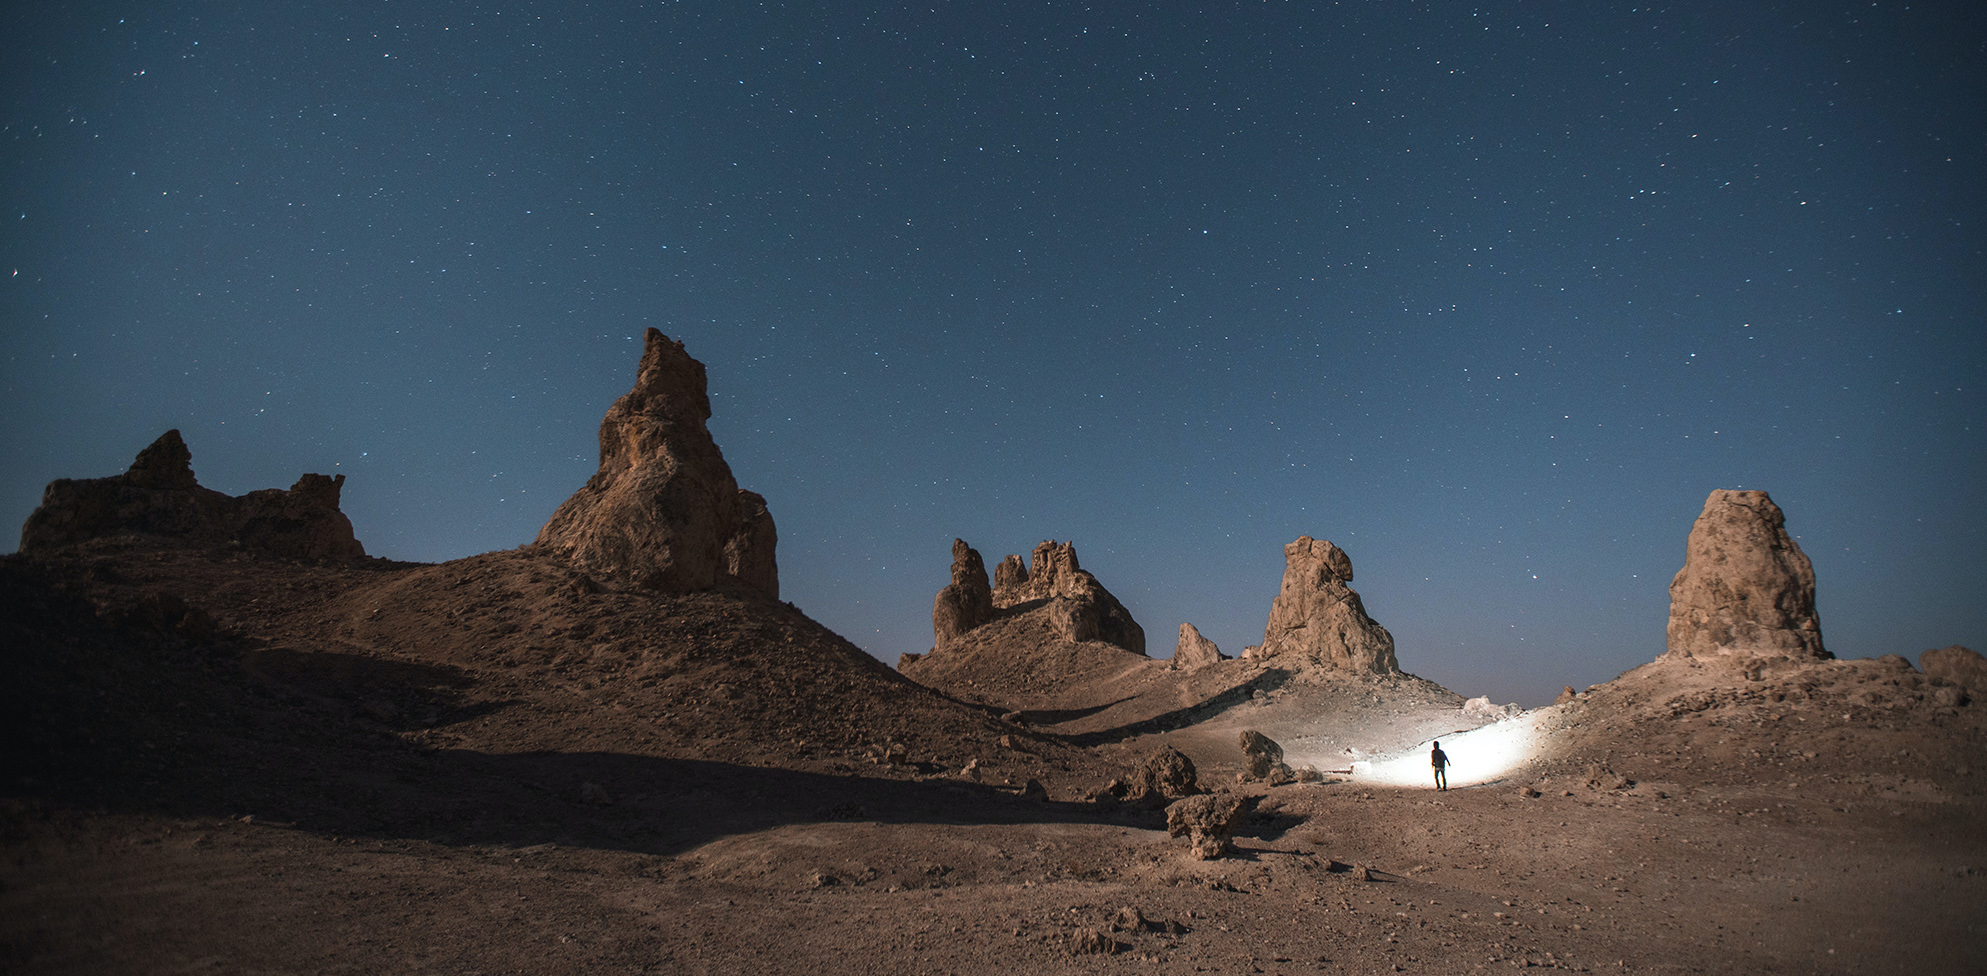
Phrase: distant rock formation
(1080,608)
(1962,666)
(1318,619)
(663,512)
(967,601)
(1745,590)
(1194,651)
(160,498)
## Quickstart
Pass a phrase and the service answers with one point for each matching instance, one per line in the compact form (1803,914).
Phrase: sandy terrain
(490,766)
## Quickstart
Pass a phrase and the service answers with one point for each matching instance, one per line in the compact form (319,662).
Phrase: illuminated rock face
(663,512)
(1317,619)
(1745,590)
(160,498)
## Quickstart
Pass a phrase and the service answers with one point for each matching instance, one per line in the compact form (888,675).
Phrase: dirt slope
(483,766)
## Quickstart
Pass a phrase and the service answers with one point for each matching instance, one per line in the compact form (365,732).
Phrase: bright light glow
(1478,756)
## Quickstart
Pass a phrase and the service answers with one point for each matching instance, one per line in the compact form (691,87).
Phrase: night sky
(1490,296)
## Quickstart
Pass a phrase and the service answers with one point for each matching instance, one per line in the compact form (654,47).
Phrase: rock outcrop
(663,512)
(1317,619)
(159,497)
(1163,777)
(1194,652)
(1962,666)
(1262,760)
(1208,821)
(1079,607)
(967,601)
(1745,590)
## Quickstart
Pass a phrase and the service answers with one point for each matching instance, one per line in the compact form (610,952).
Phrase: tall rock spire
(1318,619)
(663,512)
(1745,589)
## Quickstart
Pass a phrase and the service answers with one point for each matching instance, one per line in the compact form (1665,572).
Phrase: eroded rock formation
(159,497)
(1262,759)
(1208,821)
(1962,666)
(1745,590)
(967,601)
(663,512)
(1317,619)
(1194,652)
(1078,607)
(1161,778)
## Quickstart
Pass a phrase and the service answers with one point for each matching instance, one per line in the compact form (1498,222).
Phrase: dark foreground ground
(484,767)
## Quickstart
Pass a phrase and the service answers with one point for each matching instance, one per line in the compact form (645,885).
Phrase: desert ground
(227,762)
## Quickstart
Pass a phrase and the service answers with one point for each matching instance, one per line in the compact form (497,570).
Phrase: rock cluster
(1079,608)
(159,497)
(1745,590)
(1317,619)
(663,511)
(967,601)
(1194,652)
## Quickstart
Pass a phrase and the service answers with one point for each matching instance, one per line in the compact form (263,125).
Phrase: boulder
(1262,759)
(967,601)
(1318,620)
(1161,778)
(1960,665)
(1480,709)
(159,497)
(1208,821)
(1745,590)
(1194,652)
(663,511)
(1080,608)
(1566,694)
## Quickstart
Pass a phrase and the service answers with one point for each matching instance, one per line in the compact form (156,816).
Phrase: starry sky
(1490,295)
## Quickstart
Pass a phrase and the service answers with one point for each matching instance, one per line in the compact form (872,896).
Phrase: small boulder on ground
(1161,778)
(1093,942)
(1208,821)
(1960,665)
(1263,759)
(1600,777)
(1565,695)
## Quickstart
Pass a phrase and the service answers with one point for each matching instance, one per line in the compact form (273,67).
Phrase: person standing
(1440,760)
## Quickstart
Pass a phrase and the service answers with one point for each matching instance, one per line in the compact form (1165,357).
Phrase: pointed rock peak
(1745,590)
(166,463)
(966,602)
(1193,651)
(663,511)
(1318,620)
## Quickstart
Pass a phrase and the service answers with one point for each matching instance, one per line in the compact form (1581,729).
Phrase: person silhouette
(1440,760)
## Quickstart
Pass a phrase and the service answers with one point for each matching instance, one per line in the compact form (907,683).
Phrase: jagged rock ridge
(663,512)
(1745,590)
(1079,607)
(1319,620)
(159,497)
